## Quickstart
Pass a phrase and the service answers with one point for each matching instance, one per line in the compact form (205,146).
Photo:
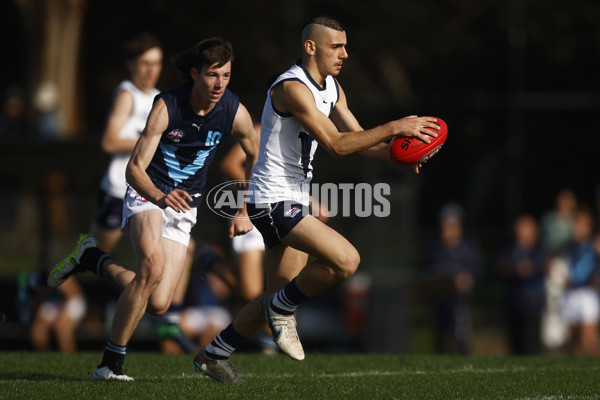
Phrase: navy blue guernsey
(188,146)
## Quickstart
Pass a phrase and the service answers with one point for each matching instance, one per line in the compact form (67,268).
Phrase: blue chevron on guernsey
(189,143)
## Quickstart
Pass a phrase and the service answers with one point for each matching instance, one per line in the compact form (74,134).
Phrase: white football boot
(115,373)
(283,328)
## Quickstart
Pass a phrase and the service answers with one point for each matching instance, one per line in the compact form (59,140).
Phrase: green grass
(29,375)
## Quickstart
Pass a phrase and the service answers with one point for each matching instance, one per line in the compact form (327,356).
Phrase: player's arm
(248,138)
(121,110)
(233,164)
(143,152)
(345,121)
(295,98)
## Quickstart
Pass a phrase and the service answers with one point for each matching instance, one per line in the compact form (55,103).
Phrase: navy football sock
(225,343)
(287,299)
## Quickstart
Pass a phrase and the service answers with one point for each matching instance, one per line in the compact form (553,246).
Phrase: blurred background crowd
(492,249)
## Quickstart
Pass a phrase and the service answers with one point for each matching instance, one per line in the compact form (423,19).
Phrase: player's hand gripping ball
(411,151)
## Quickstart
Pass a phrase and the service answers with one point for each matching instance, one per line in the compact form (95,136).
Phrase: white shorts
(581,306)
(200,318)
(75,309)
(252,240)
(175,226)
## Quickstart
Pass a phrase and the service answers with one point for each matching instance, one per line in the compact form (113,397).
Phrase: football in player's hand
(411,151)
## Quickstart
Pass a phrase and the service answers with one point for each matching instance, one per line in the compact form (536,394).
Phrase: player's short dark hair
(325,20)
(204,54)
(138,45)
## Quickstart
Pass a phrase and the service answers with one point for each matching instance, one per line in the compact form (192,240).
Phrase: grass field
(30,375)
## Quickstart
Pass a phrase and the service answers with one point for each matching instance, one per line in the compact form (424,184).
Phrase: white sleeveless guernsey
(113,181)
(283,170)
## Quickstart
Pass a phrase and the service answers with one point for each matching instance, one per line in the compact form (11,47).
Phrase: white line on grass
(359,374)
(558,398)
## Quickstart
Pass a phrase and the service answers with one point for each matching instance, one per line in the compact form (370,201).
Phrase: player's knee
(349,264)
(151,271)
(158,305)
(155,308)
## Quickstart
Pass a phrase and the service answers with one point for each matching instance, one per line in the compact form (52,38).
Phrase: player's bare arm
(121,110)
(246,135)
(345,121)
(233,164)
(295,98)
(142,155)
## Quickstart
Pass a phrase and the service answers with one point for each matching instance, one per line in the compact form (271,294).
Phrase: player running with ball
(304,106)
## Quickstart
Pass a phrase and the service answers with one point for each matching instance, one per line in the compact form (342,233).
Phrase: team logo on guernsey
(292,212)
(175,135)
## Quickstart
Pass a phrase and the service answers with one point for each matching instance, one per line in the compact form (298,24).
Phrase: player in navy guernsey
(189,143)
(167,175)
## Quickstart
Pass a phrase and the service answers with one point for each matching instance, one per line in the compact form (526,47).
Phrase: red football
(411,151)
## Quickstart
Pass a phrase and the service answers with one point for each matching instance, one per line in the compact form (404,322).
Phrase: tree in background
(53,30)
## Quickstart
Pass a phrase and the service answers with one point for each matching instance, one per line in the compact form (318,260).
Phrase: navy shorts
(110,211)
(276,220)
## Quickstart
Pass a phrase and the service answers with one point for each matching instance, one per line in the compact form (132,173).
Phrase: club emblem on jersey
(292,212)
(175,135)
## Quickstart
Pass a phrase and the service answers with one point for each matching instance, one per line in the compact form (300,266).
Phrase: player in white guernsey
(305,106)
(283,169)
(113,182)
(132,102)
